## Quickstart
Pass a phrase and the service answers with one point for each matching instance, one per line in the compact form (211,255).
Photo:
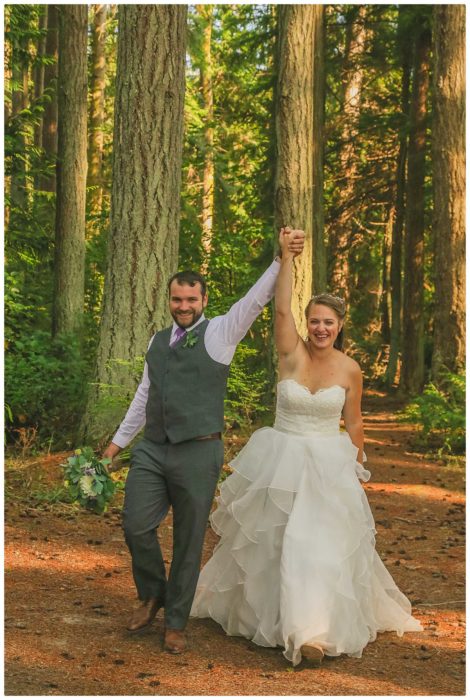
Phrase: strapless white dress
(296,562)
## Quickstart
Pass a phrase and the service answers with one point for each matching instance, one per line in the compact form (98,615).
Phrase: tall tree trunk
(385,290)
(318,226)
(396,265)
(412,379)
(145,201)
(97,114)
(39,72)
(19,102)
(49,119)
(7,102)
(7,64)
(340,237)
(295,137)
(69,263)
(206,14)
(449,187)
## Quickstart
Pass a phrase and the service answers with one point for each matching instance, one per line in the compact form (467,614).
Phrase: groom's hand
(291,240)
(111,451)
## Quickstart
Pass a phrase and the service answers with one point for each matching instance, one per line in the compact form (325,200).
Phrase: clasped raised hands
(291,241)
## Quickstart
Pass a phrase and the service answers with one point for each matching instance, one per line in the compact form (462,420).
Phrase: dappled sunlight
(69,592)
(423,492)
(371,441)
(57,663)
(376,424)
(77,558)
(376,460)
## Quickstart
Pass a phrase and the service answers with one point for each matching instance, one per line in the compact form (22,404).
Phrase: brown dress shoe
(175,641)
(144,615)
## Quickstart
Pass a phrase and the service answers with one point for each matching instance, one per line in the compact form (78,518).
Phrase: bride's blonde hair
(336,304)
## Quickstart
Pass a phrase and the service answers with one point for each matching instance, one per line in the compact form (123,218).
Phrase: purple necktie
(179,333)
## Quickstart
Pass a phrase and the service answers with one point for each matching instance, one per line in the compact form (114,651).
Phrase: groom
(180,401)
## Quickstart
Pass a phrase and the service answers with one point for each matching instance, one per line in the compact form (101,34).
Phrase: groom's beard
(188,318)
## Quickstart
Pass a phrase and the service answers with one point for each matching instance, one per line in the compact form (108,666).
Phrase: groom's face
(187,303)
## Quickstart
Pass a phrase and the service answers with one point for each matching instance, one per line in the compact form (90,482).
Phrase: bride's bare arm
(352,412)
(285,331)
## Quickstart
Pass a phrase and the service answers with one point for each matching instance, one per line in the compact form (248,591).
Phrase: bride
(296,564)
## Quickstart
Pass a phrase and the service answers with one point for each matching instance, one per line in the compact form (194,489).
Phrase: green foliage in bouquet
(88,480)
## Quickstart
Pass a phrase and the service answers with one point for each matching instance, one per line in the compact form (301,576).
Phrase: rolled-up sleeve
(135,417)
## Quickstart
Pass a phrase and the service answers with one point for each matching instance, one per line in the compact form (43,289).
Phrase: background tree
(69,261)
(318,226)
(97,104)
(7,76)
(143,241)
(339,235)
(413,317)
(49,120)
(243,81)
(205,13)
(396,264)
(242,43)
(29,234)
(39,69)
(295,136)
(448,149)
(21,25)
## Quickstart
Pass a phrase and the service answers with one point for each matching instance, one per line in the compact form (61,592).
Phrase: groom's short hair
(189,277)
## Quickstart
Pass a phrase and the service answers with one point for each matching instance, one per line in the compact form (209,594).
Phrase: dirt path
(69,592)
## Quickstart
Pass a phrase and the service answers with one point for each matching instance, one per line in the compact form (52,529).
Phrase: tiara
(331,296)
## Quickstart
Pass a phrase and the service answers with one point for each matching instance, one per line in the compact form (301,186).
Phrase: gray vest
(187,389)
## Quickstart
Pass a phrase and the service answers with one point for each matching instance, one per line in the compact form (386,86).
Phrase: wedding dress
(296,562)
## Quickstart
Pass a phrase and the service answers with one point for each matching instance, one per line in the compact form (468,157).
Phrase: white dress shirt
(221,338)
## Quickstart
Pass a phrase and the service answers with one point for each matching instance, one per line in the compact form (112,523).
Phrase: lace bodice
(301,412)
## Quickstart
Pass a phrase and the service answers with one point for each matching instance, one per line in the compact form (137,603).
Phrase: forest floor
(69,592)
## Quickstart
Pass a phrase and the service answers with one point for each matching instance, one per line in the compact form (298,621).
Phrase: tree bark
(69,263)
(49,119)
(448,151)
(206,12)
(385,286)
(7,102)
(39,72)
(340,237)
(19,101)
(396,265)
(318,226)
(298,27)
(145,201)
(412,379)
(97,113)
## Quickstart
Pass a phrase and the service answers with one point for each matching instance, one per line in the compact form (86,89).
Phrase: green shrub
(45,385)
(440,410)
(246,388)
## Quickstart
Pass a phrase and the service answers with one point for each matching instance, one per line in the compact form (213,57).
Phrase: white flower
(86,485)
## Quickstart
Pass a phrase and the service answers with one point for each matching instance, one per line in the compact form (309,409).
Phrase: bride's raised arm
(285,331)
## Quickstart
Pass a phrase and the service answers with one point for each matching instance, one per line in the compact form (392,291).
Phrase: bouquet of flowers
(88,480)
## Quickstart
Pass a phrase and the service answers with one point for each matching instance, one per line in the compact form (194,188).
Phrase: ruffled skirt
(296,562)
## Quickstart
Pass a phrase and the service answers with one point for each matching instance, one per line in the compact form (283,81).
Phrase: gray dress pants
(183,476)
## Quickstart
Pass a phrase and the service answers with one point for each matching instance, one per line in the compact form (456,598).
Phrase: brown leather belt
(212,436)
